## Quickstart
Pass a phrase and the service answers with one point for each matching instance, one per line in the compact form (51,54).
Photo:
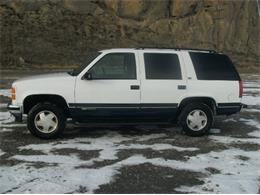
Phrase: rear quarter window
(212,66)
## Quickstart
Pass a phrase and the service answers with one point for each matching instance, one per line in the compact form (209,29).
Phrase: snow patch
(252,90)
(250,110)
(157,147)
(229,120)
(255,134)
(251,100)
(2,152)
(236,175)
(6,130)
(5,117)
(5,92)
(51,159)
(56,179)
(252,123)
(231,140)
(215,131)
(152,136)
(68,173)
(108,146)
(7,120)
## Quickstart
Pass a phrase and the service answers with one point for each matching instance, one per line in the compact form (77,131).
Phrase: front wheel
(46,120)
(196,119)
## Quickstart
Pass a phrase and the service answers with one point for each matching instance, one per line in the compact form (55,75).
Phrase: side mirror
(88,76)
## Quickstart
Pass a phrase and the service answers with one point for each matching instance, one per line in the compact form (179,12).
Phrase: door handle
(134,87)
(181,86)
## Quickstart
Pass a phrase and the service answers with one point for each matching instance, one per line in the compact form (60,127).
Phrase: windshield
(88,59)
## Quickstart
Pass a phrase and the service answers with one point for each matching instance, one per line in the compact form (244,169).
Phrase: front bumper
(16,111)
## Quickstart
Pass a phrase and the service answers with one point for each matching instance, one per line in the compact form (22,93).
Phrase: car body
(142,84)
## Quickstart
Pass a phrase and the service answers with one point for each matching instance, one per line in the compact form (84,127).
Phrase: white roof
(119,50)
(154,49)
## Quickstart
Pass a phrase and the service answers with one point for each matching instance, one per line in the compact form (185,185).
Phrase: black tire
(203,110)
(60,120)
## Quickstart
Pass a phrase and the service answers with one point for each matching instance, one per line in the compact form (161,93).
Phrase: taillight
(240,88)
(13,93)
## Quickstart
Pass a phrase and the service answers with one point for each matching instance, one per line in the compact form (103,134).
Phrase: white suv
(188,86)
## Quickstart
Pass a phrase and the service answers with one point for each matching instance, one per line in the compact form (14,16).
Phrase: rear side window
(162,66)
(211,66)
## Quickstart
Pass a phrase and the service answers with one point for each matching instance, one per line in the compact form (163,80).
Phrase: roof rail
(179,48)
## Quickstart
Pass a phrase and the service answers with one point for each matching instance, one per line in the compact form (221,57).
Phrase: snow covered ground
(101,159)
(251,90)
(5,92)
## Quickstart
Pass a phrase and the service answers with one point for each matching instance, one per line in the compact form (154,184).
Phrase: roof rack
(179,48)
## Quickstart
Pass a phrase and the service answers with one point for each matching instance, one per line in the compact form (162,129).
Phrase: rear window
(211,66)
(162,66)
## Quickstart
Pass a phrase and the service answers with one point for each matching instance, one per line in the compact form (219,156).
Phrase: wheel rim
(197,120)
(46,121)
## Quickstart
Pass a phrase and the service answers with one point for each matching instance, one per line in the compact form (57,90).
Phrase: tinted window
(162,66)
(210,66)
(115,66)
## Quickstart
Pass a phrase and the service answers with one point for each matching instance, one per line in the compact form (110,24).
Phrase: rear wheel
(196,119)
(46,120)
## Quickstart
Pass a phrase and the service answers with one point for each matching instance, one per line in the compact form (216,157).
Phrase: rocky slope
(61,32)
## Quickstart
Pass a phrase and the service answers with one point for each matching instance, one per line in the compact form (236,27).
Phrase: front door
(113,88)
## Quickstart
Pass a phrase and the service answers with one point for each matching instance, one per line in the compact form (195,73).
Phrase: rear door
(163,82)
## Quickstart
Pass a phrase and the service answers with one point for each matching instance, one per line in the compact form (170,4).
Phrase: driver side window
(115,66)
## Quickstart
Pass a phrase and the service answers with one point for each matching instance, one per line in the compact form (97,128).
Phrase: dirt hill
(61,32)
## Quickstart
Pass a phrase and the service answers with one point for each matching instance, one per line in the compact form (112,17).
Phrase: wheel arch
(31,100)
(209,101)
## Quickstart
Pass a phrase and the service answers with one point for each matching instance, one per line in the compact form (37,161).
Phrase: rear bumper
(229,108)
(16,111)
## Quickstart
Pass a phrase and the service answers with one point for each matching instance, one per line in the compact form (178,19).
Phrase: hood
(44,76)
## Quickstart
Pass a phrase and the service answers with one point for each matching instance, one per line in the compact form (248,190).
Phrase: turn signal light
(13,93)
